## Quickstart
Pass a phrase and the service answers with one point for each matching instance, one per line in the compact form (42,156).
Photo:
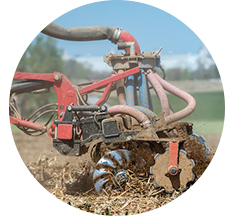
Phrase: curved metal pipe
(165,106)
(181,94)
(127,37)
(114,34)
(120,90)
(138,115)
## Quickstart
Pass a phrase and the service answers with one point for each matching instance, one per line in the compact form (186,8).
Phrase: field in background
(208,117)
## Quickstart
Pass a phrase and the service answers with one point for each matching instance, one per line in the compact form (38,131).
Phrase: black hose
(29,86)
(83,33)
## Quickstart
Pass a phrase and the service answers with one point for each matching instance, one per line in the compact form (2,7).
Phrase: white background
(21,21)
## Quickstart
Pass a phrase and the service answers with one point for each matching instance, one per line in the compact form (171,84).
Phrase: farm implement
(124,138)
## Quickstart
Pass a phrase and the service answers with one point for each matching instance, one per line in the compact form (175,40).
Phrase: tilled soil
(70,179)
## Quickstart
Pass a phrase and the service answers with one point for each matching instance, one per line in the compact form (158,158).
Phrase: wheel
(170,183)
(111,170)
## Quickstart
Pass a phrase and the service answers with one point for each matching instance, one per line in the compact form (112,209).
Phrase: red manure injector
(122,138)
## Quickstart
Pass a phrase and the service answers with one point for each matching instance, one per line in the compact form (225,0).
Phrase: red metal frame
(66,93)
(62,85)
(104,82)
(29,124)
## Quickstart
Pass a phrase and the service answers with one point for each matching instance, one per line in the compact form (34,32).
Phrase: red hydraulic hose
(138,115)
(181,94)
(105,96)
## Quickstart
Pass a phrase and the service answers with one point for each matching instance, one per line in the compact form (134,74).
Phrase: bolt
(43,128)
(103,108)
(173,171)
(65,149)
(128,138)
(57,77)
(69,108)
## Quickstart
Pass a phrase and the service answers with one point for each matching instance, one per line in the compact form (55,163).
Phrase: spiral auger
(112,169)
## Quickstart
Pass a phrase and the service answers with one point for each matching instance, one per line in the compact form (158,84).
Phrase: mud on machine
(122,138)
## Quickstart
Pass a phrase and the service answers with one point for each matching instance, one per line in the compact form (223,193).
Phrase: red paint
(63,87)
(127,37)
(173,150)
(105,82)
(104,96)
(29,124)
(65,131)
(66,96)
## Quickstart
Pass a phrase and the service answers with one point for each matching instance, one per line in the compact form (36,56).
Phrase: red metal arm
(106,81)
(63,87)
(29,124)
(65,92)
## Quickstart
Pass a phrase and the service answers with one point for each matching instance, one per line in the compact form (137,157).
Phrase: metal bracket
(147,60)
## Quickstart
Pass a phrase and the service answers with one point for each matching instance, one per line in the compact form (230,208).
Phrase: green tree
(178,74)
(41,56)
(210,73)
(76,70)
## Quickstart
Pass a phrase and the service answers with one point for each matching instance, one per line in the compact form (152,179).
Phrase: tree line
(43,56)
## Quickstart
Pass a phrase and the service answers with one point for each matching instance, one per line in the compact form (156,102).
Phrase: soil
(70,179)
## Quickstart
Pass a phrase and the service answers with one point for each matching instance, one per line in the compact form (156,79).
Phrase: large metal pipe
(165,106)
(143,90)
(90,33)
(181,94)
(130,91)
(138,115)
(83,33)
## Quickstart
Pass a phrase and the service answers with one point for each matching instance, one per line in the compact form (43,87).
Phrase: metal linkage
(86,108)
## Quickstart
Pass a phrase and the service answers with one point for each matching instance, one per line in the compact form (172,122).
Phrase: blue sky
(151,27)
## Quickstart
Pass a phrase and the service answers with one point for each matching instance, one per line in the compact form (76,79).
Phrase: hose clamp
(146,72)
(145,122)
(116,35)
